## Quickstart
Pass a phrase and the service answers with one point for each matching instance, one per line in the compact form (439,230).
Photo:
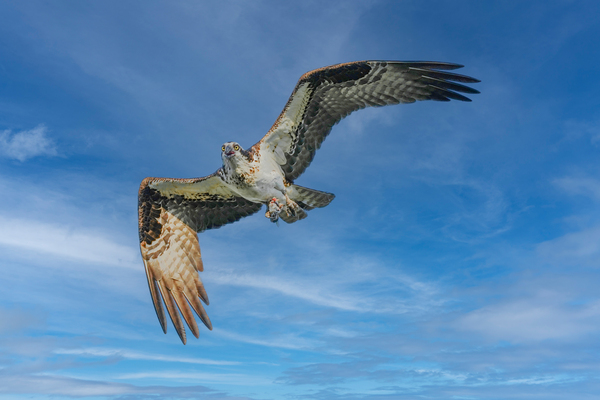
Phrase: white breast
(257,181)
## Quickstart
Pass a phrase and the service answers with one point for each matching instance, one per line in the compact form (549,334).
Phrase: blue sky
(459,260)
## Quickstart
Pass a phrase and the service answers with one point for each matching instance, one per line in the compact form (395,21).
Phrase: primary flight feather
(173,211)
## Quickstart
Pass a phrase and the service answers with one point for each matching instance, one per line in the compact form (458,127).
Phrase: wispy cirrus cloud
(134,355)
(287,341)
(51,384)
(229,379)
(584,186)
(586,128)
(575,248)
(533,319)
(65,241)
(17,319)
(27,144)
(348,293)
(312,293)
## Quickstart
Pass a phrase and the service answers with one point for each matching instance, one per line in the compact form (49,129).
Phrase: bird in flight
(173,211)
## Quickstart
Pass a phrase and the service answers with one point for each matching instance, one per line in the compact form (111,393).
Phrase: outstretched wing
(324,96)
(171,211)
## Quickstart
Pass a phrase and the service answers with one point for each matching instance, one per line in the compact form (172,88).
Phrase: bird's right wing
(171,211)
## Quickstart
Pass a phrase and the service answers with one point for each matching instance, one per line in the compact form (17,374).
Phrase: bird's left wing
(171,211)
(324,96)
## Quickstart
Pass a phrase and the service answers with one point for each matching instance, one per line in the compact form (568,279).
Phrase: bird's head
(231,151)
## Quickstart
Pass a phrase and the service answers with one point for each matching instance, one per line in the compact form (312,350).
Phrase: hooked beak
(228,151)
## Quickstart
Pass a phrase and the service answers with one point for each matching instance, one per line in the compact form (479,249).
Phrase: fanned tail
(307,199)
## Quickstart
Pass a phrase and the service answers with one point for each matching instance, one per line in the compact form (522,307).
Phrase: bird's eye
(223,148)
(236,147)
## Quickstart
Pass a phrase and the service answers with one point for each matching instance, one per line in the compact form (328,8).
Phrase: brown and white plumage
(172,211)
(324,96)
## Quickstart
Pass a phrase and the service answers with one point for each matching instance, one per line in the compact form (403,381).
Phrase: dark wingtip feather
(182,336)
(450,85)
(204,318)
(444,76)
(450,94)
(172,310)
(154,290)
(464,78)
(443,65)
(429,64)
(437,96)
(202,292)
(187,314)
(181,333)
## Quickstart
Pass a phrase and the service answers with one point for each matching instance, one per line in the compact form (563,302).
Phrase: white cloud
(533,319)
(575,129)
(133,355)
(286,341)
(26,144)
(336,291)
(580,186)
(229,379)
(16,320)
(309,292)
(581,247)
(61,385)
(64,241)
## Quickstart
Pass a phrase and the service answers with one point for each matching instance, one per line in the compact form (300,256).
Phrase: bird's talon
(290,211)
(274,208)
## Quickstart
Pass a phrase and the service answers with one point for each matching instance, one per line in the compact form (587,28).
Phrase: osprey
(173,211)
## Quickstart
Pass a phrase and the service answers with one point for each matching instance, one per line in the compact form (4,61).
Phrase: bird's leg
(273,210)
(291,207)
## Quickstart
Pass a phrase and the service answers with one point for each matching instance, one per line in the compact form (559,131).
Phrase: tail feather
(307,198)
(290,219)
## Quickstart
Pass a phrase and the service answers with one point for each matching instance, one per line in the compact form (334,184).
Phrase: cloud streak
(580,186)
(65,241)
(575,248)
(27,144)
(230,379)
(332,291)
(316,294)
(531,320)
(134,355)
(285,341)
(50,384)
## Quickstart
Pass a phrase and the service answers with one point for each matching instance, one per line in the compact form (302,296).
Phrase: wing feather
(324,96)
(154,293)
(192,298)
(171,212)
(172,310)
(182,304)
